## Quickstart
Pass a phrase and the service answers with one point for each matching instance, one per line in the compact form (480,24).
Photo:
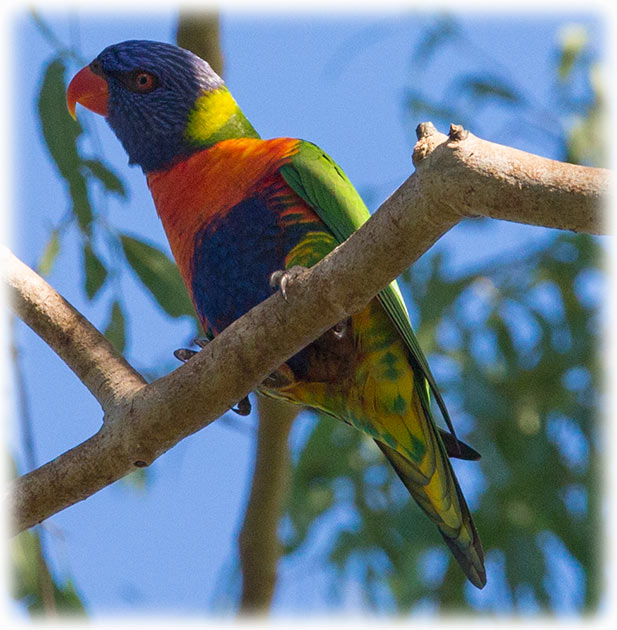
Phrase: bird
(242,214)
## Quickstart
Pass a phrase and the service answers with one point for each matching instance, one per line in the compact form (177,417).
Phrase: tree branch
(481,178)
(199,32)
(68,333)
(456,176)
(259,541)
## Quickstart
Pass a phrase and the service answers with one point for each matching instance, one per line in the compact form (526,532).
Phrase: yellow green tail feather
(463,540)
(387,401)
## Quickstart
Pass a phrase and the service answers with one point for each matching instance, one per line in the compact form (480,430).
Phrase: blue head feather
(151,125)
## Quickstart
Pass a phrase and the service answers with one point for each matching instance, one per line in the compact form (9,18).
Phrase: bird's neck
(215,117)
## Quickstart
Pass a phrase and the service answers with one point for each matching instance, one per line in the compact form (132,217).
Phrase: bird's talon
(275,278)
(184,354)
(284,283)
(202,342)
(340,329)
(280,279)
(283,377)
(243,407)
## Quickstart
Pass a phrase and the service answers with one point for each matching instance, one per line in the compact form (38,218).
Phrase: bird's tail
(435,488)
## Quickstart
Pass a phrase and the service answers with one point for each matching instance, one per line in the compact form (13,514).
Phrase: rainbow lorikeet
(238,209)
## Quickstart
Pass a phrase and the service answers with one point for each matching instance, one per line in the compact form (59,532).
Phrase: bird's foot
(202,342)
(184,354)
(283,277)
(339,331)
(283,377)
(243,407)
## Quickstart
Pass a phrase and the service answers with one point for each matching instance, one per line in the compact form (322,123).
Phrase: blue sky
(337,81)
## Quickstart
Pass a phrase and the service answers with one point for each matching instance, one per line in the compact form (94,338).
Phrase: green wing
(322,184)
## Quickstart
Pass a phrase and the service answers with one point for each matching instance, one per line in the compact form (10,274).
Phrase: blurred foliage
(32,583)
(115,329)
(159,274)
(513,346)
(572,115)
(585,109)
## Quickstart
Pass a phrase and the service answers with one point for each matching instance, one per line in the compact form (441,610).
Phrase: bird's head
(163,102)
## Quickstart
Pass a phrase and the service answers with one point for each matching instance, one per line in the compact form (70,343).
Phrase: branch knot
(428,139)
(457,133)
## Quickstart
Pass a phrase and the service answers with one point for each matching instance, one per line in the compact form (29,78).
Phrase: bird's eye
(143,82)
(97,67)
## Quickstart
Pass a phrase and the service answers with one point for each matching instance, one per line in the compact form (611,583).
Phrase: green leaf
(106,176)
(444,31)
(419,106)
(573,39)
(81,204)
(115,330)
(67,599)
(31,576)
(60,133)
(485,88)
(159,275)
(49,255)
(95,272)
(138,479)
(23,550)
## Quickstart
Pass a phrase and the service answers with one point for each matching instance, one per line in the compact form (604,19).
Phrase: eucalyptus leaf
(32,577)
(159,275)
(52,250)
(96,273)
(445,31)
(106,176)
(573,39)
(115,330)
(78,189)
(60,133)
(483,88)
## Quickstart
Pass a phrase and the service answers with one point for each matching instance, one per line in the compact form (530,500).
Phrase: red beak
(88,89)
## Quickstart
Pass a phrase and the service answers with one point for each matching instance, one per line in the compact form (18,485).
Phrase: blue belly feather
(235,255)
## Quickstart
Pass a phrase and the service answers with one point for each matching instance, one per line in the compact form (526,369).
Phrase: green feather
(316,178)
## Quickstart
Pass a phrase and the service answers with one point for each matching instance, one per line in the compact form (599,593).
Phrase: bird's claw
(184,354)
(202,342)
(243,407)
(340,330)
(280,279)
(283,377)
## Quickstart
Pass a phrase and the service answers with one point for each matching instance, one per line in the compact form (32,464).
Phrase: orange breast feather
(209,183)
